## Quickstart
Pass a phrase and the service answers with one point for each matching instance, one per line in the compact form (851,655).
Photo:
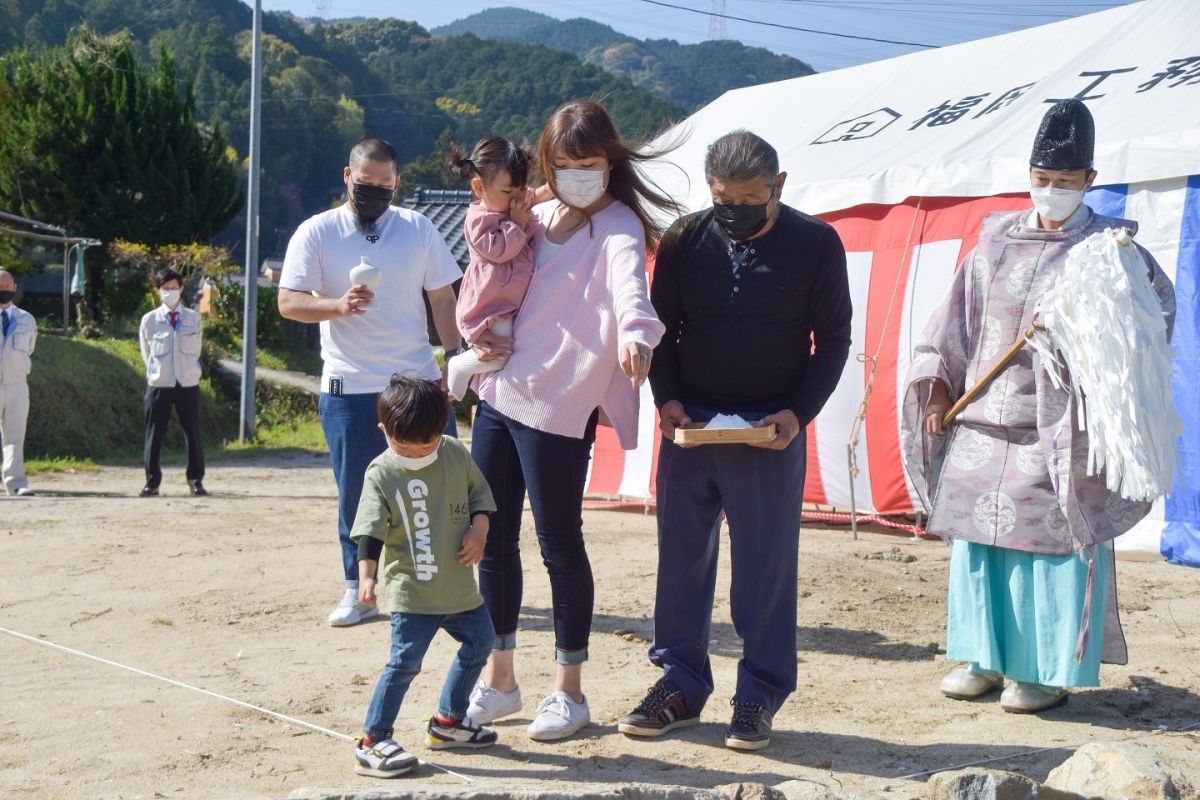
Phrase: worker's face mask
(1056,204)
(6,296)
(370,201)
(170,297)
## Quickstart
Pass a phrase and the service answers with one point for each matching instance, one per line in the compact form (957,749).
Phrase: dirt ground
(230,593)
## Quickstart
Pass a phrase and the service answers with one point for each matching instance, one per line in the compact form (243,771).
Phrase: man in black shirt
(755,299)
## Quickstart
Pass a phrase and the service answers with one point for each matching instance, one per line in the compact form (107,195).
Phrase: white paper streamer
(1105,326)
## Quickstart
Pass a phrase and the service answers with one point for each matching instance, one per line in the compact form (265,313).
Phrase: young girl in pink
(498,233)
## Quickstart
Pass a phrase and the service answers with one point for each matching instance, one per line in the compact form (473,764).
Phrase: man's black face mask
(741,222)
(370,202)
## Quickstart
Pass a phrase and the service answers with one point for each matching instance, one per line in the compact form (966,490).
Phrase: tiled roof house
(446,209)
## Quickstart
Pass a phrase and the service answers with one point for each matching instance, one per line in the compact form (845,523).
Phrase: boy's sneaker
(489,705)
(463,733)
(750,728)
(382,759)
(558,716)
(663,709)
(349,611)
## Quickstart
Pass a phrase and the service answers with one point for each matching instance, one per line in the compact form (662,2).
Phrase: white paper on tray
(727,422)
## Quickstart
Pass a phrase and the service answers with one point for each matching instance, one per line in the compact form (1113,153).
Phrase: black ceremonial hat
(1066,139)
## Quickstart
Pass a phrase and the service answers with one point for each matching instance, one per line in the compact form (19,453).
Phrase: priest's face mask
(1057,193)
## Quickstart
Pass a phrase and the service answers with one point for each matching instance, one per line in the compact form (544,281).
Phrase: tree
(431,171)
(92,141)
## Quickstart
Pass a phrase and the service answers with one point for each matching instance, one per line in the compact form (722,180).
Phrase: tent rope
(862,358)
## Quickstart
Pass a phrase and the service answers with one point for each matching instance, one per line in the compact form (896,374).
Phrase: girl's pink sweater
(501,265)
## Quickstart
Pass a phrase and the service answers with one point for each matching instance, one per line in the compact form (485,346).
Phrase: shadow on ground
(725,641)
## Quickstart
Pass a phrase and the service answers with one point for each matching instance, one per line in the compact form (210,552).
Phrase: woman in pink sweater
(584,336)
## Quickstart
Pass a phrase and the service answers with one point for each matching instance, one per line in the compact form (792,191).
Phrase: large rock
(399,791)
(1134,769)
(749,791)
(814,790)
(990,784)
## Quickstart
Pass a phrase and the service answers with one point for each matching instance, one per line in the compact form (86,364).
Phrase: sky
(915,22)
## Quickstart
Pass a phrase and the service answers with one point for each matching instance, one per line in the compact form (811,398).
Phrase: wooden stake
(990,376)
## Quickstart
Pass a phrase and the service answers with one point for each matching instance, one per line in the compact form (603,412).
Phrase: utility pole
(250,317)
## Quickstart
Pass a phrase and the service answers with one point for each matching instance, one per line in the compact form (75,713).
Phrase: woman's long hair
(583,129)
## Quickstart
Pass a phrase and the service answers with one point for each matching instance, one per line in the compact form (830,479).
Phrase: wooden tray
(696,433)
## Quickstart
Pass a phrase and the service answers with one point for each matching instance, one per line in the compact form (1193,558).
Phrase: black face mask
(6,296)
(370,202)
(741,222)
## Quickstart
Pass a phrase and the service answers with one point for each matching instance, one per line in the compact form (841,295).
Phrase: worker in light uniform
(20,334)
(170,342)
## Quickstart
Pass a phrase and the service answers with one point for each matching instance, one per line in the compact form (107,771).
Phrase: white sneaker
(558,716)
(489,705)
(349,611)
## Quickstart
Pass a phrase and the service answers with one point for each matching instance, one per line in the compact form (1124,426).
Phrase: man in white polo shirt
(366,335)
(19,330)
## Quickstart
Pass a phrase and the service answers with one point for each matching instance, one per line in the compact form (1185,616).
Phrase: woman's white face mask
(579,188)
(1056,204)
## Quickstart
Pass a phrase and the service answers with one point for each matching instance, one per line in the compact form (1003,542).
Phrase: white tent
(958,121)
(905,156)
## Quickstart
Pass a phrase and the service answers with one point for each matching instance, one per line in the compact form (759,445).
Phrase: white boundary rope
(337,735)
(923,773)
(268,712)
(1135,735)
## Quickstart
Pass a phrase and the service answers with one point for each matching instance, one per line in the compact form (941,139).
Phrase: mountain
(326,85)
(686,75)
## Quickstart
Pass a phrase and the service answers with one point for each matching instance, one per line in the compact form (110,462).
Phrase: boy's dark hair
(413,409)
(490,156)
(166,275)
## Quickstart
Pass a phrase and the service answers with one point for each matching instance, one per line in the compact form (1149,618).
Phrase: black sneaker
(148,491)
(382,759)
(750,728)
(197,489)
(463,733)
(663,709)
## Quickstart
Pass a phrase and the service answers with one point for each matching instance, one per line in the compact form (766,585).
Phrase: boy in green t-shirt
(424,509)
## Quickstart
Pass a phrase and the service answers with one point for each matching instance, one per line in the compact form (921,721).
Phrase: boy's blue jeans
(411,635)
(351,426)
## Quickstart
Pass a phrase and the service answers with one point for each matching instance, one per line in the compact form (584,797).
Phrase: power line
(790,27)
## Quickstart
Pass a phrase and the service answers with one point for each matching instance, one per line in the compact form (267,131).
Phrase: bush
(127,293)
(230,307)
